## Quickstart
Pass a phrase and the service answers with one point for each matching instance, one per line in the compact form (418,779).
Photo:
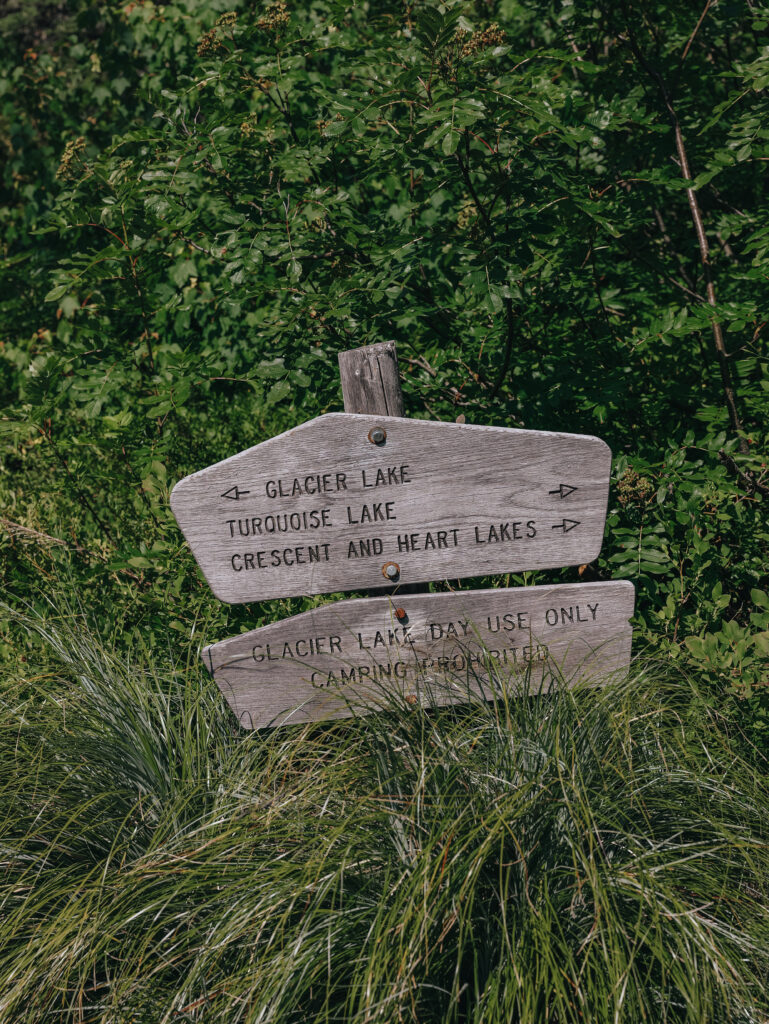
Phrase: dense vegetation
(559,213)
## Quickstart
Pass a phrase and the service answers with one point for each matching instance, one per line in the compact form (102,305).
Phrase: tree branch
(702,241)
(509,337)
(747,479)
(696,29)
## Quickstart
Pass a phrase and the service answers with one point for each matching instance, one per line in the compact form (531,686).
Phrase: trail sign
(429,648)
(349,502)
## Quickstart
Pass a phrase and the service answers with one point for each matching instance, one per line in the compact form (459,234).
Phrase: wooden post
(370,380)
(371,384)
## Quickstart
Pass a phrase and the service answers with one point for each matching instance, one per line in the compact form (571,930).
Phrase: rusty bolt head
(411,698)
(391,570)
(377,435)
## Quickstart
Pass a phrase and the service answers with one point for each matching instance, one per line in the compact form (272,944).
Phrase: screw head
(391,570)
(377,435)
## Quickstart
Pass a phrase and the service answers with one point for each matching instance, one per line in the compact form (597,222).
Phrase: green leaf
(140,562)
(450,142)
(280,390)
(273,369)
(182,271)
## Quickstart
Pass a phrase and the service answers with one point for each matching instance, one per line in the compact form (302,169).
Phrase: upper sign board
(355,656)
(350,502)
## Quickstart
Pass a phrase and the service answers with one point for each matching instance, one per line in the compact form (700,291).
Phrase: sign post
(371,382)
(365,498)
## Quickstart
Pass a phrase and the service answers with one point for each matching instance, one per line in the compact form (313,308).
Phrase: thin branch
(509,338)
(694,207)
(669,241)
(696,29)
(471,189)
(668,277)
(421,363)
(16,529)
(747,479)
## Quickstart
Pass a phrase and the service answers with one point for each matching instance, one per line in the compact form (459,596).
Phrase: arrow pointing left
(234,493)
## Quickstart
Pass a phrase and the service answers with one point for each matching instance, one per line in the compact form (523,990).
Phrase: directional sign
(349,502)
(353,656)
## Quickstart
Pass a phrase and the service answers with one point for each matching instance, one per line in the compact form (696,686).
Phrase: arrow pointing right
(566,525)
(563,490)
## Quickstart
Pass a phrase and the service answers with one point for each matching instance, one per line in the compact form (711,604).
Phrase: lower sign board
(354,656)
(349,502)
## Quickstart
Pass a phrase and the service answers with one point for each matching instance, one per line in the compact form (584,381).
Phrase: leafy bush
(556,212)
(582,856)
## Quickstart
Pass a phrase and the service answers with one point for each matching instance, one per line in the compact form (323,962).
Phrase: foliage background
(201,206)
(558,211)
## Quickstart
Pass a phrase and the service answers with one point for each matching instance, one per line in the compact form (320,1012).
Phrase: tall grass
(582,856)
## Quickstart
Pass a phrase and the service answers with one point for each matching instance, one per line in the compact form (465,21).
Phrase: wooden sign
(353,656)
(350,502)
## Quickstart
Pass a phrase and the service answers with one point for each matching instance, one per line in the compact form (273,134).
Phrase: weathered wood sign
(430,648)
(349,502)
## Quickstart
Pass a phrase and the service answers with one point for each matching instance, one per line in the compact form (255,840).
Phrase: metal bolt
(400,613)
(391,570)
(411,698)
(377,435)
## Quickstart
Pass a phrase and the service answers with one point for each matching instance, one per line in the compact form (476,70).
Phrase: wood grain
(353,656)
(322,509)
(371,384)
(371,381)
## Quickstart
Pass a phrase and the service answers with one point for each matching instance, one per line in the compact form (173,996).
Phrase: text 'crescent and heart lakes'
(365,513)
